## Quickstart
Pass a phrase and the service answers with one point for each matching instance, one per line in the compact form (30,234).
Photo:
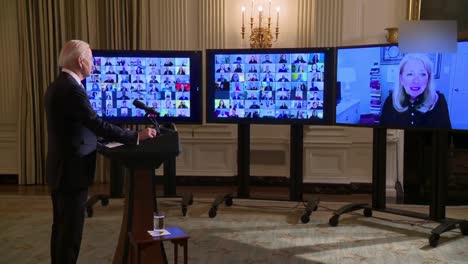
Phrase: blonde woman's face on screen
(414,78)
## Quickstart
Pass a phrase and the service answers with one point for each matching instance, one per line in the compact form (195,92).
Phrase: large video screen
(167,81)
(269,86)
(381,86)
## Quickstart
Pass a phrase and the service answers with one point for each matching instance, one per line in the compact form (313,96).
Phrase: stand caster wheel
(333,220)
(228,202)
(104,202)
(434,240)
(212,212)
(184,210)
(315,208)
(464,229)
(367,212)
(89,212)
(190,202)
(305,218)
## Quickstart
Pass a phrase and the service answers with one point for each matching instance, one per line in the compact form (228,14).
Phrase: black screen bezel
(195,58)
(378,125)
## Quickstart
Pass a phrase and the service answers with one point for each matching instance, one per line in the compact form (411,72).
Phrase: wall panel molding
(325,165)
(208,130)
(328,23)
(212,23)
(216,160)
(325,132)
(306,20)
(360,162)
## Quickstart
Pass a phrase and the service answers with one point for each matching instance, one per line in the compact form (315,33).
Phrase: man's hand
(147,133)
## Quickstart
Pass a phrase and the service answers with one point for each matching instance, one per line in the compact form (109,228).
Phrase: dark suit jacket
(72,127)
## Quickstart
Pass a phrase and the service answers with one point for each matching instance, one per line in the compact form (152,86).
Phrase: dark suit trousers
(67,228)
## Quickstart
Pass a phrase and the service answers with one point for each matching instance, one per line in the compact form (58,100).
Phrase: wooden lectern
(140,200)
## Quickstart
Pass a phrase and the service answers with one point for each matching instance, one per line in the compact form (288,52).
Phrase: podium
(140,199)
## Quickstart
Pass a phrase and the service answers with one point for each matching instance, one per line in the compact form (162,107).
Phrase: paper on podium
(113,144)
(158,232)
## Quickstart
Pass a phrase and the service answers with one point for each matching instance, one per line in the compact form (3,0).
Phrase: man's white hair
(71,51)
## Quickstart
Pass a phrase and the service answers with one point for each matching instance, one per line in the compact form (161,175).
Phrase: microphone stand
(153,121)
(169,169)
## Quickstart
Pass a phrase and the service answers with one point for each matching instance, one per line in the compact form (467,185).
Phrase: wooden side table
(177,236)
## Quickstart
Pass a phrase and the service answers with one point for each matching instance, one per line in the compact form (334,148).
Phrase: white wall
(364,21)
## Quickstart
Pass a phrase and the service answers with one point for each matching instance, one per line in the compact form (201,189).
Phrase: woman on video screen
(415,102)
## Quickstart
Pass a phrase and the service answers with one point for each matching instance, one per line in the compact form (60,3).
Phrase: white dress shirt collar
(77,79)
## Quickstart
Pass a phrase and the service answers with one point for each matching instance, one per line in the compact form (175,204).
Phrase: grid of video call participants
(161,83)
(269,85)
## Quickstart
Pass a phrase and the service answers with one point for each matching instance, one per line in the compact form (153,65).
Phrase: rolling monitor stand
(116,189)
(170,185)
(438,186)
(243,170)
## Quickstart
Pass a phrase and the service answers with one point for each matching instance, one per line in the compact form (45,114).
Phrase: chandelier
(261,35)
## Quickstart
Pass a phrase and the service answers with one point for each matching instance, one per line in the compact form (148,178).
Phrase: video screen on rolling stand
(269,86)
(167,81)
(381,86)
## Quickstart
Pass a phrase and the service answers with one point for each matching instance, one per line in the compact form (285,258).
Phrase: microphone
(148,110)
(141,105)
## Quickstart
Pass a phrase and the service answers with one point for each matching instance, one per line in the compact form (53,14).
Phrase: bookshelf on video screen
(167,81)
(381,86)
(268,86)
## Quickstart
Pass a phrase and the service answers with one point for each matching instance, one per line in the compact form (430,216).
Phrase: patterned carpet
(248,232)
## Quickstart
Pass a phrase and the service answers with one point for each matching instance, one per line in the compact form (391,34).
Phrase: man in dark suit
(254,105)
(96,70)
(168,71)
(72,127)
(236,96)
(123,71)
(124,96)
(237,105)
(183,96)
(283,115)
(138,79)
(221,78)
(153,79)
(267,59)
(109,79)
(283,79)
(168,63)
